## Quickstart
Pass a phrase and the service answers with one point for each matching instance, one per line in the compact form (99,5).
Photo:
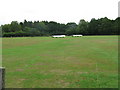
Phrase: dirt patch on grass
(20,70)
(82,72)
(63,83)
(40,64)
(21,80)
(60,71)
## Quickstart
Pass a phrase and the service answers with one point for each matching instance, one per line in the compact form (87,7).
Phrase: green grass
(71,62)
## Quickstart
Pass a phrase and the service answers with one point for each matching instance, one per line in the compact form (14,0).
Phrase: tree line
(102,26)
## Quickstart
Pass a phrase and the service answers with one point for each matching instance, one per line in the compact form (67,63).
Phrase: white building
(58,36)
(77,35)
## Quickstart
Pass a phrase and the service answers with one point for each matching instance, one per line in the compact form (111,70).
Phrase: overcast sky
(61,11)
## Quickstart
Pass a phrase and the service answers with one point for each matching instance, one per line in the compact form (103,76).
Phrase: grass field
(71,62)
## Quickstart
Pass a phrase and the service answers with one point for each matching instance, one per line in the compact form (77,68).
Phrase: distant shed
(77,35)
(58,36)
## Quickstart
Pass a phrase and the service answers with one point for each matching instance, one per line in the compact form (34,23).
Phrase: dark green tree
(14,26)
(71,28)
(83,27)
